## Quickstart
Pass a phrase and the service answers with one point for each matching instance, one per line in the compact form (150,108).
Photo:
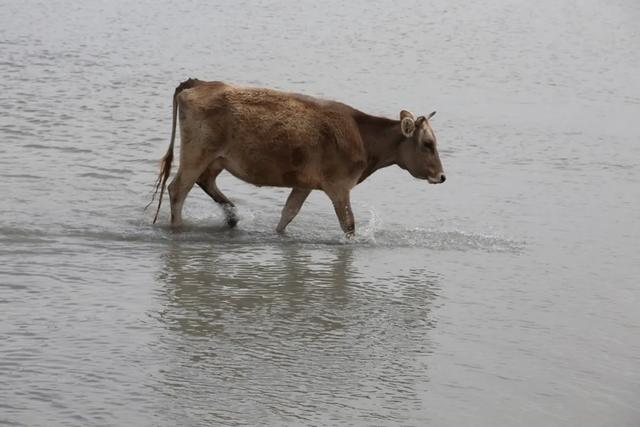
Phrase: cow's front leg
(342,206)
(292,207)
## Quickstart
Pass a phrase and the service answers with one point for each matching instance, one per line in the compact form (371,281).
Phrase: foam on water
(260,233)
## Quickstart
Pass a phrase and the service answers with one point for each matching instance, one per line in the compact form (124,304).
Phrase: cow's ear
(407,124)
(405,113)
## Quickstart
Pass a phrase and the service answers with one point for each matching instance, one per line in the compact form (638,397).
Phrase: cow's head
(419,150)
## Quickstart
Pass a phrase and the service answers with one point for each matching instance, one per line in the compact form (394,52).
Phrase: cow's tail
(165,163)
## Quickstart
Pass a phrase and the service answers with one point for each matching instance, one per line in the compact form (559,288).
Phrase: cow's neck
(381,138)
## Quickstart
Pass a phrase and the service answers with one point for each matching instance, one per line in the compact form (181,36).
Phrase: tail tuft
(161,182)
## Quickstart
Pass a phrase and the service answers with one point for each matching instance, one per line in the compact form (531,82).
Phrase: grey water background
(507,296)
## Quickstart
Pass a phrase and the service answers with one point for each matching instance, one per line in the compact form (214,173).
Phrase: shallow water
(507,296)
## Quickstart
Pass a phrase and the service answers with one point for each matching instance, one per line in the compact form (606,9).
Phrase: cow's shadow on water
(335,320)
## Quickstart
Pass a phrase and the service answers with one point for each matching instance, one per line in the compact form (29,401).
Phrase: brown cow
(266,137)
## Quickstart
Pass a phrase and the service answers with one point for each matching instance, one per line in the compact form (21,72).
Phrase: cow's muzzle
(437,180)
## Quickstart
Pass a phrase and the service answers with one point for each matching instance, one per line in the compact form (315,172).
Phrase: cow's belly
(274,173)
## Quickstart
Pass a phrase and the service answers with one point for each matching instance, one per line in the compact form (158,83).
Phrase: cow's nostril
(442,178)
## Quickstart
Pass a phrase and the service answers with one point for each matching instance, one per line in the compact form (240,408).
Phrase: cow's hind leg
(182,184)
(207,181)
(292,207)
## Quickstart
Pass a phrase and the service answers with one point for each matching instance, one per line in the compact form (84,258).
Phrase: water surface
(507,296)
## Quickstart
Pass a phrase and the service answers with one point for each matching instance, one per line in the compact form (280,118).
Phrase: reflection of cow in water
(270,138)
(208,292)
(305,323)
